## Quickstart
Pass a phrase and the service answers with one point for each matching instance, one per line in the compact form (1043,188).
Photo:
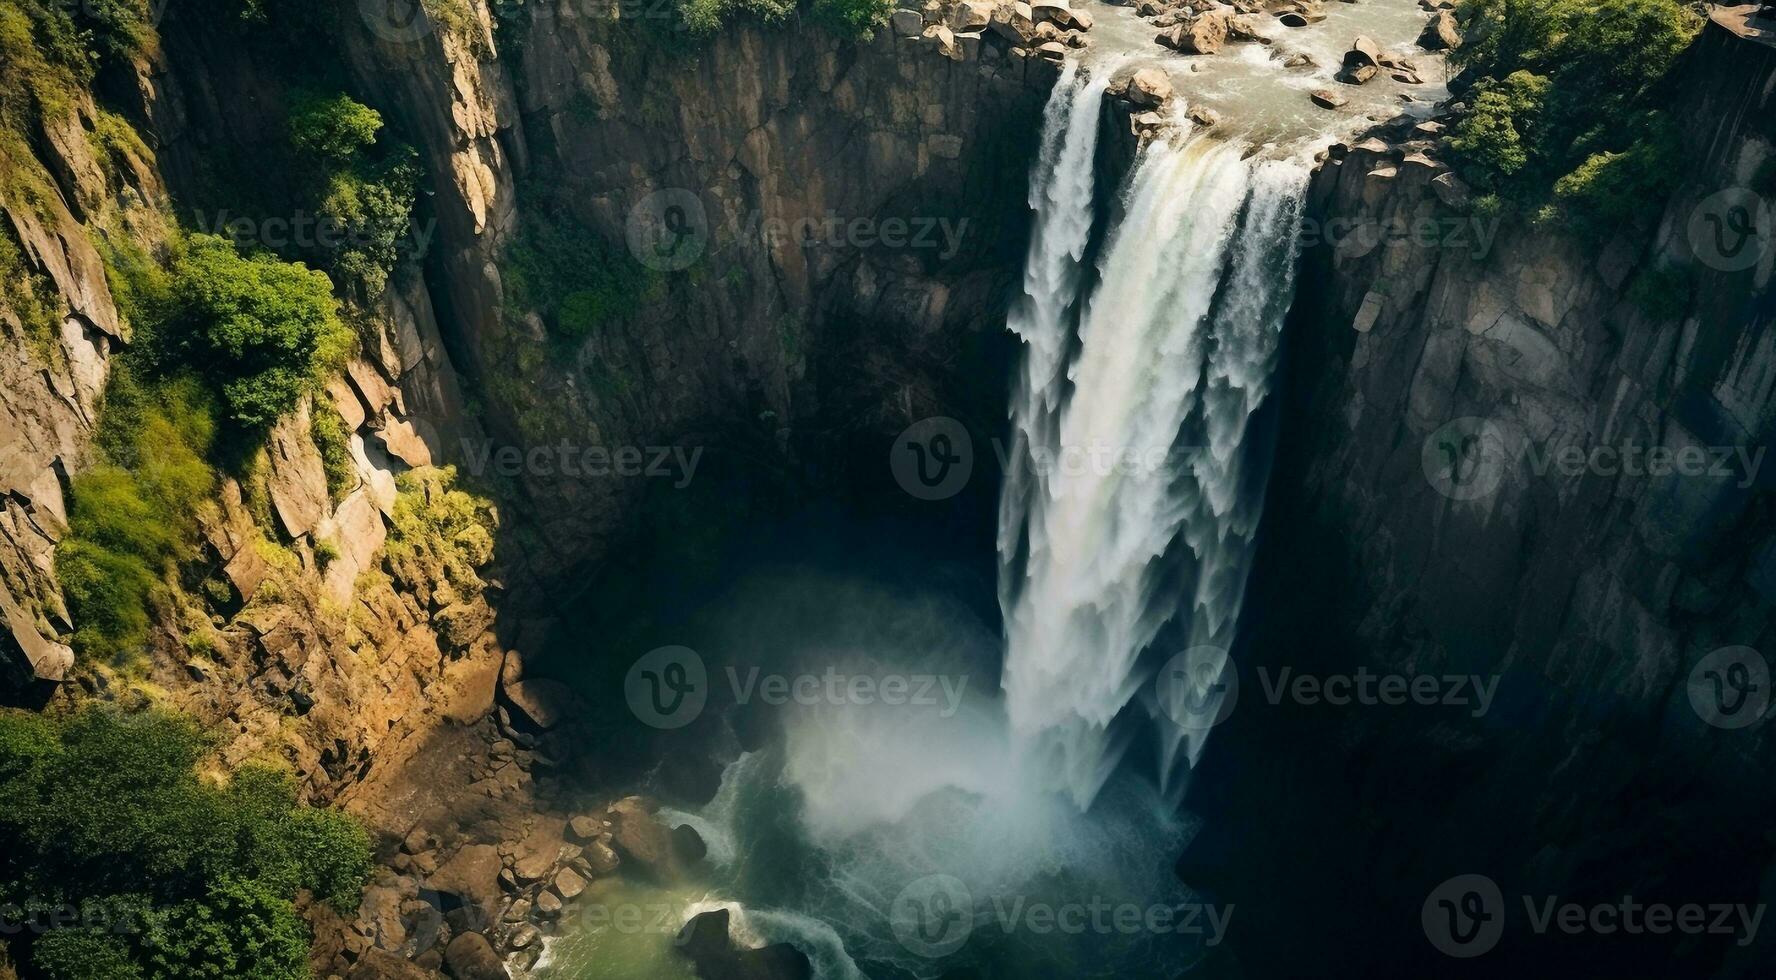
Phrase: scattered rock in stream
(709,945)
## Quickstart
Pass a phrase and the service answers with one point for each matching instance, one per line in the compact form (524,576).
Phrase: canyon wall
(1439,511)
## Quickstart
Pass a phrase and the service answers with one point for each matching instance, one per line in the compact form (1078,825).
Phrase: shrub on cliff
(262,330)
(167,873)
(1564,115)
(362,189)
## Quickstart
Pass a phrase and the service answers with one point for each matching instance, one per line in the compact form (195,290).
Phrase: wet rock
(525,936)
(1053,51)
(640,839)
(600,859)
(1327,99)
(1149,87)
(1204,117)
(548,904)
(583,828)
(687,845)
(1203,34)
(706,941)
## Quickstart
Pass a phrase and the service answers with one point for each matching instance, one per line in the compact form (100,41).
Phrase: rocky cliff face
(855,213)
(1538,462)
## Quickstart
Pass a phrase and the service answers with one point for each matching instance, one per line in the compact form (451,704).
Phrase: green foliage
(261,330)
(1565,108)
(1663,294)
(106,811)
(706,16)
(333,127)
(559,269)
(365,192)
(328,431)
(132,516)
(84,954)
(435,526)
(1497,132)
(28,296)
(853,17)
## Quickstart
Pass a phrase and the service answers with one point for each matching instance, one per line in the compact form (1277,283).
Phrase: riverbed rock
(1327,99)
(707,942)
(1150,87)
(640,839)
(471,957)
(1203,34)
(1357,74)
(1014,22)
(1363,51)
(1443,33)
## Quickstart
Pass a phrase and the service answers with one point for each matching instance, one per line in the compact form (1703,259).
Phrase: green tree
(262,330)
(105,810)
(333,127)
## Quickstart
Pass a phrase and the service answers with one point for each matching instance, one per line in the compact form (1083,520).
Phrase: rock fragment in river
(1357,75)
(1053,51)
(1327,99)
(706,941)
(1204,116)
(1442,33)
(1150,87)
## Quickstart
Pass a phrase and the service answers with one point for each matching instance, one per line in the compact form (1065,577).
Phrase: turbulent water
(1133,495)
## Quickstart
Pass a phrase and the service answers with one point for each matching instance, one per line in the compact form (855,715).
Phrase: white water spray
(1129,434)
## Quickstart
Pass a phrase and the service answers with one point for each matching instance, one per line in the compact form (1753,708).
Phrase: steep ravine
(793,366)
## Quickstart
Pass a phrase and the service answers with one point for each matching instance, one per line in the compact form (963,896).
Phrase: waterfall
(1131,495)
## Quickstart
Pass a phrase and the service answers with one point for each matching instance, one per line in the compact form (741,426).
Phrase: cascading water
(1154,359)
(1129,438)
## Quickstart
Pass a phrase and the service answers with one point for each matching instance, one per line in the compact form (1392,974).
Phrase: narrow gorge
(730,488)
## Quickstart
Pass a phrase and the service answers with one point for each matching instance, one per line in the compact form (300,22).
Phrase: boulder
(1150,87)
(971,15)
(471,957)
(376,964)
(1204,117)
(548,904)
(1442,33)
(1015,22)
(907,23)
(944,40)
(471,876)
(1300,61)
(1047,10)
(687,845)
(1363,51)
(543,703)
(1053,51)
(705,940)
(1080,20)
(1451,191)
(584,828)
(600,859)
(640,839)
(568,884)
(1327,99)
(1358,74)
(1203,34)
